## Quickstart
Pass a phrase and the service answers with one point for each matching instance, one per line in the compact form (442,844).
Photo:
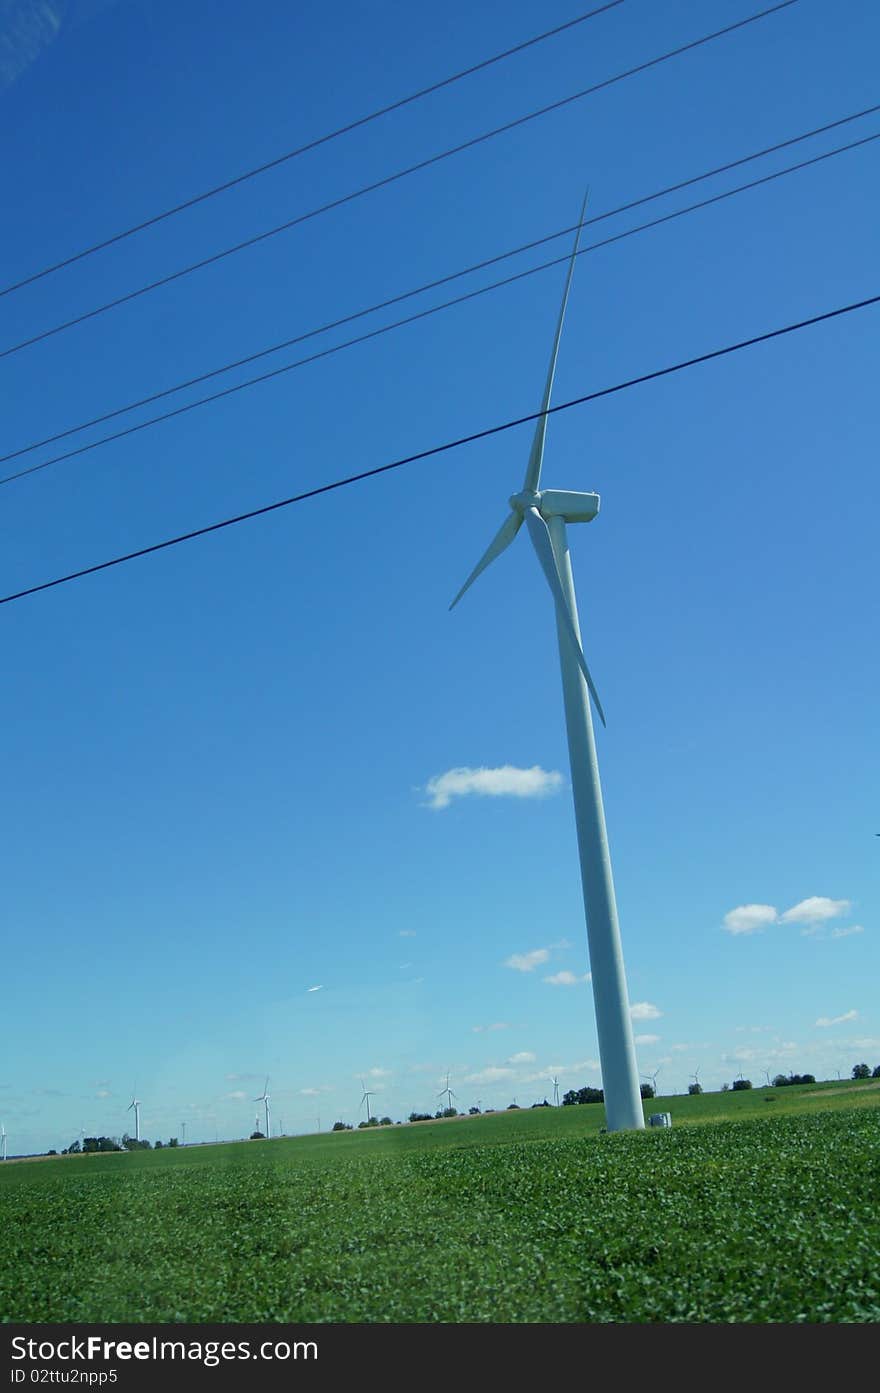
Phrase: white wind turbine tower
(136,1104)
(183,1133)
(545,513)
(264,1099)
(2,1142)
(555,1083)
(366,1099)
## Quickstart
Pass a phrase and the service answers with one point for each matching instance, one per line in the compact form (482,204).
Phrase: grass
(746,1211)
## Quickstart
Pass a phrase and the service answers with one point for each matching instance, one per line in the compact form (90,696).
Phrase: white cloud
(567,979)
(647,1039)
(504,782)
(845,932)
(527,962)
(104,1093)
(524,1057)
(749,918)
(238,1094)
(837,1020)
(814,910)
(494,1074)
(377,1073)
(644,1011)
(315,989)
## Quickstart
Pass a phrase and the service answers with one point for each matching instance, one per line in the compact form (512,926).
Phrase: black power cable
(395,324)
(381,183)
(310,145)
(441,449)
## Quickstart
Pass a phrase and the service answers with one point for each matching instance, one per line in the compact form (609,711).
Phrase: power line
(399,323)
(382,183)
(442,449)
(311,145)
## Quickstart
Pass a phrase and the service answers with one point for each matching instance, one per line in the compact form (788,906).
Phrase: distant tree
(647,1090)
(473,1112)
(385,1122)
(172,1141)
(450,1112)
(256,1136)
(513,1107)
(421,1117)
(73,1150)
(51,1153)
(725,1088)
(545,1104)
(159,1145)
(341,1127)
(875,1073)
(861,1071)
(694,1088)
(570,1098)
(740,1084)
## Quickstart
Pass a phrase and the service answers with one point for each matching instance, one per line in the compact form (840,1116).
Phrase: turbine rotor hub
(521,502)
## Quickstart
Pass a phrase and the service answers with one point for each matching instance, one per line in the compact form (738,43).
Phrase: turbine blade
(533,469)
(499,543)
(540,536)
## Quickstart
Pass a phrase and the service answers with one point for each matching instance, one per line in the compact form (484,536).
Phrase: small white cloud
(749,918)
(316,989)
(814,910)
(845,932)
(837,1020)
(524,1057)
(644,1011)
(310,1092)
(647,1039)
(567,979)
(494,1074)
(377,1074)
(104,1093)
(238,1094)
(527,962)
(504,782)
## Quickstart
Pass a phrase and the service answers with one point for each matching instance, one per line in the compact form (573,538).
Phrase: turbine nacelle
(557,503)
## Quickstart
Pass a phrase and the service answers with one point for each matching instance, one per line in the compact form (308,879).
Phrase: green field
(755,1206)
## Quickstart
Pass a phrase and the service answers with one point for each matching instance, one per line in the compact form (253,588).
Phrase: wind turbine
(545,513)
(264,1099)
(653,1078)
(447,1092)
(2,1142)
(136,1104)
(555,1083)
(696,1077)
(366,1099)
(183,1132)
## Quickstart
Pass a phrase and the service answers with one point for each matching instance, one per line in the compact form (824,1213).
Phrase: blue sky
(217,760)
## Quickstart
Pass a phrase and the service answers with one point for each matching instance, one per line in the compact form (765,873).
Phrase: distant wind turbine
(696,1077)
(366,1099)
(555,1083)
(136,1104)
(264,1099)
(653,1078)
(183,1132)
(2,1142)
(545,513)
(447,1092)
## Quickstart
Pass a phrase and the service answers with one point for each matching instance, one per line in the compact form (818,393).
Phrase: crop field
(754,1207)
